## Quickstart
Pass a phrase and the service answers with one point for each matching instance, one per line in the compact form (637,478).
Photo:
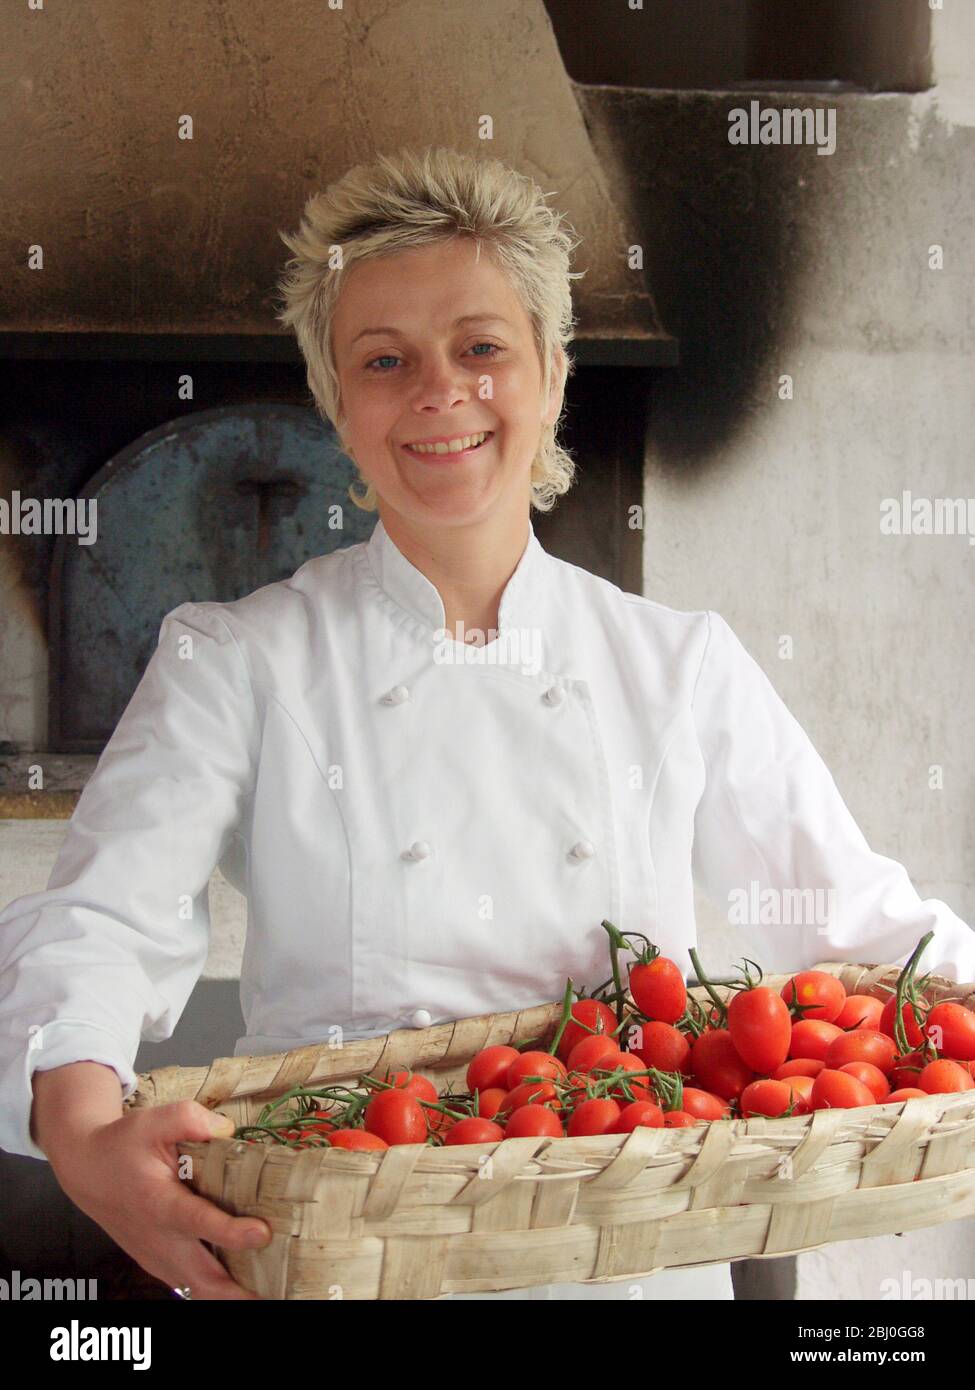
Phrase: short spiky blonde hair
(415,199)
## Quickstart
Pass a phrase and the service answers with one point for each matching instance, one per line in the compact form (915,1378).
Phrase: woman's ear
(553,403)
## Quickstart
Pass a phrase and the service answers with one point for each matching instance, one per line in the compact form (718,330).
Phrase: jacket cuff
(51,1045)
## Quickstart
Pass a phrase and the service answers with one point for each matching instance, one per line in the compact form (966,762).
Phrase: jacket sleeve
(109,953)
(771,818)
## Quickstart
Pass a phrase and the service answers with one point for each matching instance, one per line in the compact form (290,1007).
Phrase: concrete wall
(771,260)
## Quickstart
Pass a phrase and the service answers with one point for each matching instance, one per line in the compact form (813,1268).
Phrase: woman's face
(432,344)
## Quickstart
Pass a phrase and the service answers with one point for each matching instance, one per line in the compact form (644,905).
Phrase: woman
(426,826)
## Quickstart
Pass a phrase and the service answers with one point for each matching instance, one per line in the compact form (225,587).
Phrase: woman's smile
(448,449)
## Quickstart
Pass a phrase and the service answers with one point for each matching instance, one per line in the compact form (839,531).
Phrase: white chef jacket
(426,830)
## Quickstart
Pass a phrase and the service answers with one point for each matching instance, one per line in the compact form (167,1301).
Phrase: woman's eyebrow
(466,318)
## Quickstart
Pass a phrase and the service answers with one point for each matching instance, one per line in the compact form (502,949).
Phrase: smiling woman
(426,838)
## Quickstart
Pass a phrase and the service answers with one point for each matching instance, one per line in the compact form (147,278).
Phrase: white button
(418,850)
(585,849)
(554,696)
(421,1018)
(397,696)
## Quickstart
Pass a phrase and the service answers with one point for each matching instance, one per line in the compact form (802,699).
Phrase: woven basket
(417,1222)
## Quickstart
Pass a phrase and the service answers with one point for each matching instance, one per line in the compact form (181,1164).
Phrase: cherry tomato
(718,1065)
(640,1114)
(534,1120)
(837,1090)
(591,1012)
(811,1037)
(862,1045)
(957,1030)
(658,989)
(489,1102)
(860,1011)
(704,1105)
(912,1029)
(760,1028)
(871,1076)
(661,1045)
(473,1131)
(823,993)
(766,1097)
(905,1093)
(906,1069)
(528,1093)
(943,1077)
(679,1119)
(420,1086)
(594,1051)
(534,1064)
(799,1066)
(640,1087)
(593,1117)
(800,1088)
(356,1139)
(489,1069)
(396,1117)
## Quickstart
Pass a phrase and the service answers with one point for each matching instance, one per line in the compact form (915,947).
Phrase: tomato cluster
(662,1061)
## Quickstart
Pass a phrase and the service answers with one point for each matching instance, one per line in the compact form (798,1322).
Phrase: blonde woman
(416,756)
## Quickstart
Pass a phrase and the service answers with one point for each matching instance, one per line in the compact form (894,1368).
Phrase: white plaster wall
(783,536)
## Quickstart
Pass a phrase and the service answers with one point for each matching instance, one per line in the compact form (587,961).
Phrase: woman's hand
(122,1172)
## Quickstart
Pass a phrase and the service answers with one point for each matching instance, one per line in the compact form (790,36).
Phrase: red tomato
(437,1121)
(489,1069)
(473,1131)
(593,1117)
(658,989)
(662,1046)
(534,1120)
(862,1045)
(396,1117)
(942,1077)
(592,1012)
(679,1119)
(871,1076)
(356,1139)
(641,1087)
(760,1028)
(824,994)
(860,1011)
(534,1064)
(905,1093)
(906,1069)
(489,1102)
(717,1063)
(640,1114)
(811,1037)
(799,1066)
(703,1104)
(956,1026)
(420,1086)
(837,1090)
(529,1093)
(766,1097)
(912,1029)
(800,1088)
(594,1051)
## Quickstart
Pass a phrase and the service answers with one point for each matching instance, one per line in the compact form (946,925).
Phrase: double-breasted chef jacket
(427,830)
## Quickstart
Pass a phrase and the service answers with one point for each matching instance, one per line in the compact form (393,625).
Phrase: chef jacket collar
(418,596)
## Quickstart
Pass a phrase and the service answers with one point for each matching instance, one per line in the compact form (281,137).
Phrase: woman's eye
(388,357)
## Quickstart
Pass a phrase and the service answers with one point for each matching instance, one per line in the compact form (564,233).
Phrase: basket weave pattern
(416,1222)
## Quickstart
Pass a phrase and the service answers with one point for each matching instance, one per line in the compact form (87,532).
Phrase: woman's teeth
(454,446)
